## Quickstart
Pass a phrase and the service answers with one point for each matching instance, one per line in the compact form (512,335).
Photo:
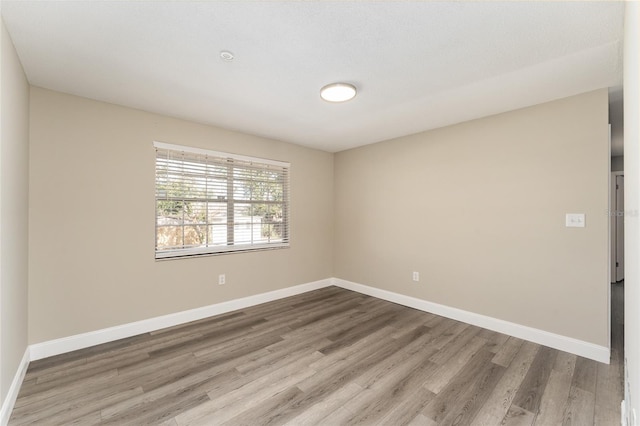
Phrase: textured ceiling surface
(417,65)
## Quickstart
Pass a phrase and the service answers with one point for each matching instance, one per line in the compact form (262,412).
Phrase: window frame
(231,246)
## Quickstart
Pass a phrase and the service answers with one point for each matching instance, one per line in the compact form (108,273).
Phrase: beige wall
(14,197)
(479,210)
(92,219)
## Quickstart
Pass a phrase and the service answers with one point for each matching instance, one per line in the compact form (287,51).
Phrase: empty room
(319,213)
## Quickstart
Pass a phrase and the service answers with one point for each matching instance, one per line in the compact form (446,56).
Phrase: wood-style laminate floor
(328,357)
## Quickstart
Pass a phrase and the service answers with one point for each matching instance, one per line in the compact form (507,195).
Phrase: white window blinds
(211,202)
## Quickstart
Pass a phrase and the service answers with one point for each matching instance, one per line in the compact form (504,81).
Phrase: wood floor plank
(86,420)
(517,416)
(316,413)
(580,408)
(435,320)
(213,364)
(383,395)
(219,389)
(443,375)
(566,363)
(346,369)
(408,410)
(90,369)
(69,410)
(227,402)
(412,319)
(497,404)
(449,394)
(555,396)
(346,337)
(454,346)
(80,355)
(338,417)
(507,352)
(474,396)
(302,316)
(269,413)
(50,392)
(340,359)
(321,385)
(452,330)
(159,410)
(494,339)
(585,374)
(200,382)
(279,352)
(265,396)
(319,326)
(84,391)
(223,334)
(530,392)
(605,416)
(422,420)
(250,341)
(326,357)
(322,313)
(416,340)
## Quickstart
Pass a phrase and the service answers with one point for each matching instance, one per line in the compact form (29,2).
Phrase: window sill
(195,254)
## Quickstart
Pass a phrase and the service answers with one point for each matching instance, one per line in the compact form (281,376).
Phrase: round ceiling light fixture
(338,92)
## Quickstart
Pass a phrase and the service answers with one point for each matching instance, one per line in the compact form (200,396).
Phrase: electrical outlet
(416,276)
(221,279)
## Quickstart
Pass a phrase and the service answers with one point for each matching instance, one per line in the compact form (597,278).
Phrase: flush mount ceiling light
(338,92)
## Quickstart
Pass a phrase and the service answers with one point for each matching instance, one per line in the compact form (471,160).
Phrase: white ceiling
(417,65)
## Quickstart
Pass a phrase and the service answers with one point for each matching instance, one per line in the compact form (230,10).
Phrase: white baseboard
(12,395)
(85,340)
(556,341)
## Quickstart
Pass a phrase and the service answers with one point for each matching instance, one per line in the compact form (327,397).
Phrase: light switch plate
(575,220)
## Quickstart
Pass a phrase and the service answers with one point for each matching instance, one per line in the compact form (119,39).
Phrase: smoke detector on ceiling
(226,55)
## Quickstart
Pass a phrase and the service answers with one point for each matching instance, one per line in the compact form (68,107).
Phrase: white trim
(217,250)
(85,340)
(12,394)
(163,145)
(556,341)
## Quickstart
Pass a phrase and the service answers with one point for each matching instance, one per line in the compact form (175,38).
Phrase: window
(211,202)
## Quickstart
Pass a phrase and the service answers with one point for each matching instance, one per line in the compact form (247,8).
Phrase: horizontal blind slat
(194,195)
